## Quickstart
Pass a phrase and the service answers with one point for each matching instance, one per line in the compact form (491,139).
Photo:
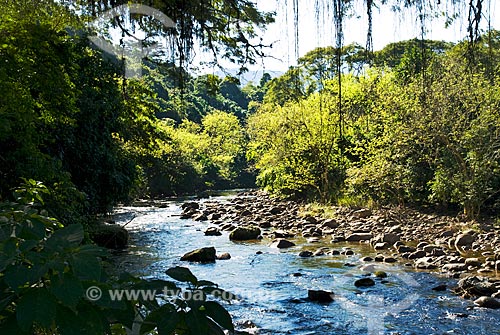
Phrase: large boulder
(203,255)
(111,236)
(245,233)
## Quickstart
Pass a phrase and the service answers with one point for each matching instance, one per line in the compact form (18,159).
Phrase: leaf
(196,322)
(165,319)
(182,274)
(37,306)
(214,328)
(32,229)
(71,235)
(86,267)
(68,289)
(206,283)
(17,276)
(219,314)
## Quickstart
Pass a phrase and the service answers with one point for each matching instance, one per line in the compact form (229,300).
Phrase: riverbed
(273,283)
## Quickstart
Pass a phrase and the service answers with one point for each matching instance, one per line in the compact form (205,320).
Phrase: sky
(388,27)
(317,29)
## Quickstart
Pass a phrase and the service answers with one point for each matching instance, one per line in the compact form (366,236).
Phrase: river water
(273,284)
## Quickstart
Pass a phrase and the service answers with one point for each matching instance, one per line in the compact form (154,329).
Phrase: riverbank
(442,244)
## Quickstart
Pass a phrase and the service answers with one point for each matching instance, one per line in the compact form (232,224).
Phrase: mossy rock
(110,236)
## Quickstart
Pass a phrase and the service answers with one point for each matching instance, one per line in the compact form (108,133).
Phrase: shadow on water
(273,284)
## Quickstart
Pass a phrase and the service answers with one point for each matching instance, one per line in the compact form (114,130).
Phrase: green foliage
(296,148)
(425,132)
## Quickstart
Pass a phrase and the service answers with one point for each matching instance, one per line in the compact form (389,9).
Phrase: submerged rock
(203,255)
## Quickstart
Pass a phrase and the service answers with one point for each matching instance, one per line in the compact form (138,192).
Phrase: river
(273,283)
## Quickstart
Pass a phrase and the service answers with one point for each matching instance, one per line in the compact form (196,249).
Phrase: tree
(226,29)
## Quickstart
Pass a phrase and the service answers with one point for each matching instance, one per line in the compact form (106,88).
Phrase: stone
(246,212)
(245,233)
(319,252)
(224,256)
(381,245)
(112,236)
(358,237)
(454,267)
(417,254)
(366,259)
(380,274)
(440,288)
(276,210)
(364,282)
(213,231)
(214,216)
(390,238)
(404,248)
(190,205)
(203,255)
(487,302)
(474,262)
(200,217)
(305,253)
(425,263)
(390,260)
(320,296)
(362,213)
(331,223)
(465,240)
(282,244)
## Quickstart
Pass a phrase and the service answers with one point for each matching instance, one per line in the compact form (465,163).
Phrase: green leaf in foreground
(219,314)
(182,274)
(37,306)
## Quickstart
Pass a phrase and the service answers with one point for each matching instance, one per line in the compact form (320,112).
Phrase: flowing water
(273,284)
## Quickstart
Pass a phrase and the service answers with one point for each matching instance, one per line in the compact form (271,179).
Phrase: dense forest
(417,122)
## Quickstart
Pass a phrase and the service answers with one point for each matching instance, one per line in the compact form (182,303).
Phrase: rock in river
(487,302)
(203,255)
(364,282)
(320,296)
(281,244)
(224,256)
(245,233)
(111,236)
(213,231)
